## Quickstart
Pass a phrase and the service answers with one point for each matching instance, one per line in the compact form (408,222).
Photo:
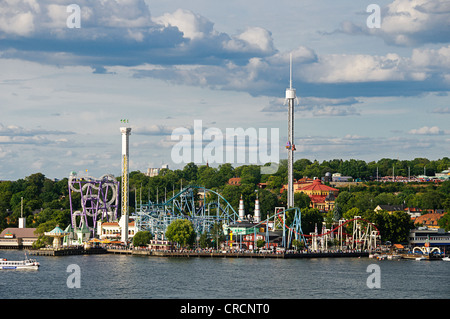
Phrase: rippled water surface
(133,277)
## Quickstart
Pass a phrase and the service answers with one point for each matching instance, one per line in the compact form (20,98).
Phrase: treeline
(46,202)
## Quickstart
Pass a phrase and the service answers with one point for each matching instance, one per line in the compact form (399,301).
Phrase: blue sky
(365,93)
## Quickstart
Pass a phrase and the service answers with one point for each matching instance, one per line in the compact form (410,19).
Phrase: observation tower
(290,146)
(126,131)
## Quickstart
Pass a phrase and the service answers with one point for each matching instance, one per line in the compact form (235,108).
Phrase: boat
(27,263)
(394,257)
(420,258)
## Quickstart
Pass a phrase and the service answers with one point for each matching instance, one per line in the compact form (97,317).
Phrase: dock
(189,254)
(193,254)
(67,251)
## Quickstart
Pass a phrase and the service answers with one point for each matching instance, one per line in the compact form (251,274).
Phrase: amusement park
(209,212)
(102,214)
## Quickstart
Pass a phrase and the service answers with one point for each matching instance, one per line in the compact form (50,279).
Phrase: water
(133,277)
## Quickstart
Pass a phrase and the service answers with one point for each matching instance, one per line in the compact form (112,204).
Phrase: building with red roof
(322,196)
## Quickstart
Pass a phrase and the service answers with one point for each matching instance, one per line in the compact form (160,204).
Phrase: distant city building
(337,177)
(152,172)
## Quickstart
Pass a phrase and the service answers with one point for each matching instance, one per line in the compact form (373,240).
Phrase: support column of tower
(257,214)
(241,210)
(290,97)
(125,186)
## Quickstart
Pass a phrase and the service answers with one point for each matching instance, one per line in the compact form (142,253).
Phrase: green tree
(181,231)
(205,241)
(393,227)
(260,243)
(142,238)
(444,221)
(311,217)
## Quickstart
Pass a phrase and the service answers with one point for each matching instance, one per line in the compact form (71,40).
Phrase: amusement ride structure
(99,199)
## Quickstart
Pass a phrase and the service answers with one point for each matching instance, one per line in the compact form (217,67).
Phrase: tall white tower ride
(125,187)
(290,97)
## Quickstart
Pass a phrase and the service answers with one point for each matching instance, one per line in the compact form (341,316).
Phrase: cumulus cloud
(426,130)
(192,25)
(184,47)
(408,23)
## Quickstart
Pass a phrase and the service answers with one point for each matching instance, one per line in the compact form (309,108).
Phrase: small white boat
(446,258)
(27,263)
(420,258)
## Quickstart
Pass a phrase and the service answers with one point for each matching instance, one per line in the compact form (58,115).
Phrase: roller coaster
(99,200)
(205,208)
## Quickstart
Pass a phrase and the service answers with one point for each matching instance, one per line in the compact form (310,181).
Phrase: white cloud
(193,26)
(426,130)
(409,23)
(253,39)
(17,19)
(337,68)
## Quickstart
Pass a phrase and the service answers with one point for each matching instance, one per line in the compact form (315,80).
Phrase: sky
(363,91)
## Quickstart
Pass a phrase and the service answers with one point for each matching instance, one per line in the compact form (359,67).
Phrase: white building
(113,230)
(152,172)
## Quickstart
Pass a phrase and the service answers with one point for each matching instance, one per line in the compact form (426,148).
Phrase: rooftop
(19,232)
(317,185)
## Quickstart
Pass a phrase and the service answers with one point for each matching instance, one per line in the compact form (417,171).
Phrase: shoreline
(192,254)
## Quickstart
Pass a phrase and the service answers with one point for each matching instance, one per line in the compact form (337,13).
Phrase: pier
(189,254)
(192,254)
(67,251)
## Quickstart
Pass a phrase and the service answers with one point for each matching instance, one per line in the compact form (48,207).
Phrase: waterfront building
(436,237)
(17,238)
(113,230)
(77,236)
(158,244)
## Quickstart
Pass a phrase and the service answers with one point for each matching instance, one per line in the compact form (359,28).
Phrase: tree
(260,243)
(444,221)
(205,241)
(250,174)
(310,218)
(393,227)
(181,231)
(190,172)
(142,238)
